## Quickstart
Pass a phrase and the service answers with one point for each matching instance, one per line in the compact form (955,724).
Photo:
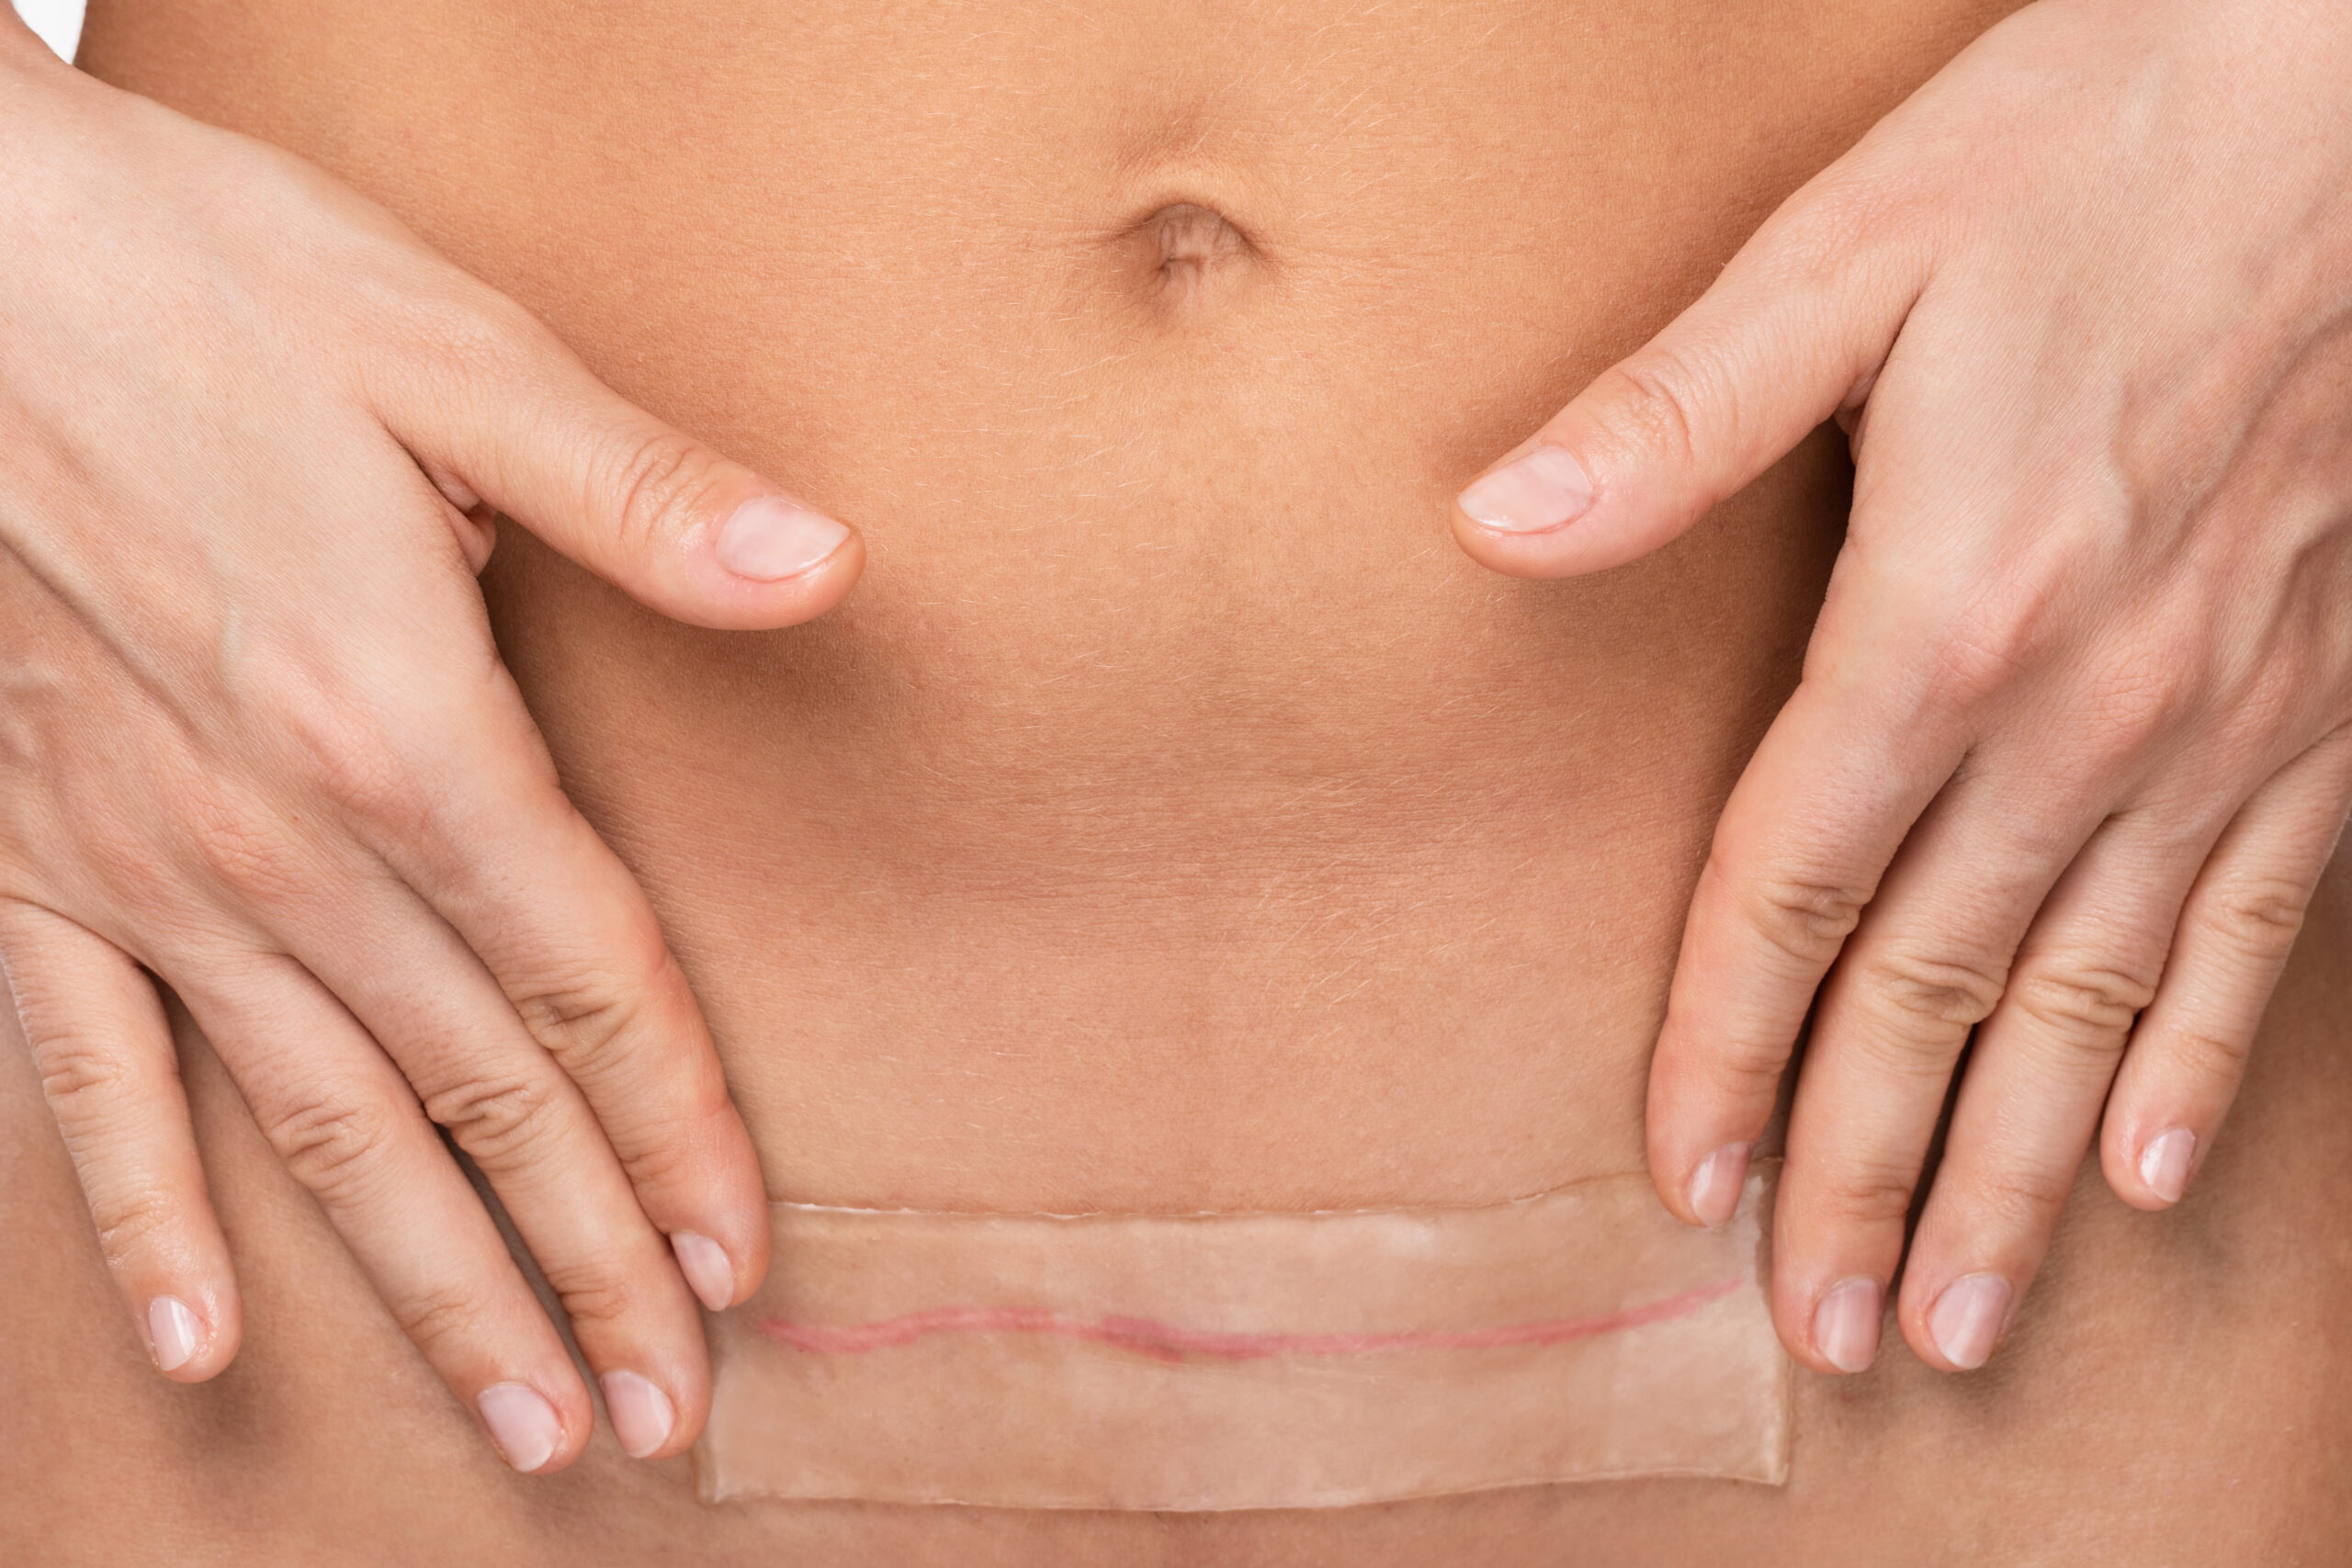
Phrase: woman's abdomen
(1173,818)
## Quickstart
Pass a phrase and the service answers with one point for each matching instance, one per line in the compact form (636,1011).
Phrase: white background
(59,21)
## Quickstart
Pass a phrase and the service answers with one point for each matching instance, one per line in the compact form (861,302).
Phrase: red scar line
(1166,1342)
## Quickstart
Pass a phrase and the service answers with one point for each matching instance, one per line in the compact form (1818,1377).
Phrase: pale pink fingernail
(768,539)
(641,1413)
(522,1423)
(1544,489)
(704,1263)
(172,1332)
(1844,1325)
(2163,1164)
(1967,1319)
(1714,1187)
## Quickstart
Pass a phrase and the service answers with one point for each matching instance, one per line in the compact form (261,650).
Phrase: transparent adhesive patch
(1255,1360)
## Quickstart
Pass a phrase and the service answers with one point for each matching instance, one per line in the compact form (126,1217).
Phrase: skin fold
(1173,817)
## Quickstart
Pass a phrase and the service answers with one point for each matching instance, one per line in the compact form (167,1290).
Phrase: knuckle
(1866,1196)
(438,1317)
(129,1222)
(1655,402)
(2259,918)
(83,1079)
(1924,997)
(2268,698)
(1981,656)
(2083,1005)
(2018,610)
(373,784)
(335,1150)
(1744,1067)
(670,1159)
(2142,697)
(349,751)
(2022,1201)
(594,1297)
(1807,919)
(2135,707)
(2217,1057)
(649,486)
(501,1122)
(591,1015)
(582,1021)
(239,844)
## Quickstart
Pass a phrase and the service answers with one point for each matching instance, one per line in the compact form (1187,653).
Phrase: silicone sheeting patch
(1256,1361)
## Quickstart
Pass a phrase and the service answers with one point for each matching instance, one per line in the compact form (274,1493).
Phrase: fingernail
(171,1332)
(2163,1164)
(1967,1319)
(1542,489)
(520,1423)
(1714,1188)
(640,1412)
(1844,1325)
(704,1263)
(768,539)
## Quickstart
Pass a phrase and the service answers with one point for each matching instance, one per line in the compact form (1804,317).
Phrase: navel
(1190,258)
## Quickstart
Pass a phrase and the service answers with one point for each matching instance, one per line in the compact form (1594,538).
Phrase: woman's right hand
(254,735)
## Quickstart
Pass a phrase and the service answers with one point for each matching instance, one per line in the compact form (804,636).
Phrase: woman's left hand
(2074,740)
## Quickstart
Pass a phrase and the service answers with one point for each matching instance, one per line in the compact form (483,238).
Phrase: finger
(443,1020)
(343,1121)
(2189,1053)
(484,833)
(1847,766)
(499,408)
(2039,1072)
(1793,329)
(104,1051)
(1928,962)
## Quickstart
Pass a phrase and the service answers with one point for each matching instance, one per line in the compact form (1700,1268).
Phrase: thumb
(1795,328)
(516,419)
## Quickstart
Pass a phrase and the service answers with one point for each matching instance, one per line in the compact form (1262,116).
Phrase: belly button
(1192,255)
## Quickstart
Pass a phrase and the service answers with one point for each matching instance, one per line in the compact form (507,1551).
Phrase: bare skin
(1099,808)
(2074,738)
